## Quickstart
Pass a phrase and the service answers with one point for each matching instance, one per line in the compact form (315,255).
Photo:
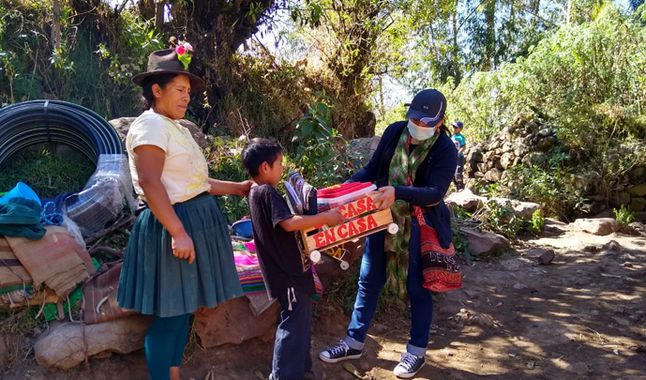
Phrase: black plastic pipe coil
(41,121)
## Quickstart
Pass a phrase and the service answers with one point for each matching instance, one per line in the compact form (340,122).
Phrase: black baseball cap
(429,103)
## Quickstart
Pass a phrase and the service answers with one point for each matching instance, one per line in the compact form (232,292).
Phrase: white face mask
(420,133)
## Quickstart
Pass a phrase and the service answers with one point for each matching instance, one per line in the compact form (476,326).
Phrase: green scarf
(402,167)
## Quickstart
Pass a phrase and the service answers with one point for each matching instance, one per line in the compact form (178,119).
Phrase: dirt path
(582,317)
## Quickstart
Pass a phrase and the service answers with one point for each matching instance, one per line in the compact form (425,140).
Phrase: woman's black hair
(445,129)
(147,97)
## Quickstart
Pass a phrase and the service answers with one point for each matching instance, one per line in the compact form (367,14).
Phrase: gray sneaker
(339,352)
(409,365)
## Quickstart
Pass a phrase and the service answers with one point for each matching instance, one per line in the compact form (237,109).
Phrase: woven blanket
(56,260)
(12,274)
(251,280)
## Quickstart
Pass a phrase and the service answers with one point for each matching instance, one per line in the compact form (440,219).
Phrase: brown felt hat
(166,62)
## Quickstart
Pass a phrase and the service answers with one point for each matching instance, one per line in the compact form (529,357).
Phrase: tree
(217,28)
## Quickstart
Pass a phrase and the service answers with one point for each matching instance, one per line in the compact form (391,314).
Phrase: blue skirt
(155,282)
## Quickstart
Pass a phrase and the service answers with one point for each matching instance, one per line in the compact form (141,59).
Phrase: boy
(460,142)
(287,272)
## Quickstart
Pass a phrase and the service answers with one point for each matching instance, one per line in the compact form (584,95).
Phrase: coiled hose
(43,121)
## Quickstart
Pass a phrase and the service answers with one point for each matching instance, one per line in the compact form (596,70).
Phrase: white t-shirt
(185,173)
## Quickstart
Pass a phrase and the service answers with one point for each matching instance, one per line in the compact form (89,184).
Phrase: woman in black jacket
(413,165)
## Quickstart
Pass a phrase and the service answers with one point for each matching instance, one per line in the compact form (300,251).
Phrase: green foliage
(225,163)
(500,218)
(552,189)
(589,80)
(92,66)
(319,148)
(624,216)
(537,222)
(267,101)
(50,170)
(461,244)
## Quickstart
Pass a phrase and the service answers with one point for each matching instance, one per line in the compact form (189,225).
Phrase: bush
(588,81)
(624,216)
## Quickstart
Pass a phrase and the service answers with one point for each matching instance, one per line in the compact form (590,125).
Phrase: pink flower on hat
(184,52)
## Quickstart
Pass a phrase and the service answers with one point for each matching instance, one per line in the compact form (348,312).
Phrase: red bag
(440,269)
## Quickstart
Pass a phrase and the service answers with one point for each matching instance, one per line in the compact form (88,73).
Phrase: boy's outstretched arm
(303,222)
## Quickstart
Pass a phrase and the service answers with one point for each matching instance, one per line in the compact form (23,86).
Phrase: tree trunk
(159,14)
(455,48)
(56,24)
(489,60)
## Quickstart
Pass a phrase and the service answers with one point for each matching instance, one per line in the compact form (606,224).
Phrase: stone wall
(530,142)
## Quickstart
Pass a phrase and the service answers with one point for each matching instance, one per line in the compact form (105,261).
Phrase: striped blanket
(55,260)
(251,279)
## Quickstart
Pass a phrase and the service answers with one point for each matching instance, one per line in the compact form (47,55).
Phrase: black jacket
(432,179)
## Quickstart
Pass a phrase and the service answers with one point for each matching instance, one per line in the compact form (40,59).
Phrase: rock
(233,322)
(622,198)
(637,204)
(506,160)
(640,216)
(521,209)
(638,174)
(519,286)
(534,158)
(543,256)
(4,352)
(493,175)
(465,199)
(483,243)
(638,227)
(545,144)
(545,132)
(520,147)
(122,124)
(599,226)
(475,154)
(612,245)
(63,347)
(638,190)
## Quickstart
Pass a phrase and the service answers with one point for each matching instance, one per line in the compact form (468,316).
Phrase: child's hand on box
(333,217)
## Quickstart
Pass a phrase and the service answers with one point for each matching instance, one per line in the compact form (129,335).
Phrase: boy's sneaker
(339,352)
(409,365)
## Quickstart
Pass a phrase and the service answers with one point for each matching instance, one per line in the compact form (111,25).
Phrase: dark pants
(372,279)
(292,346)
(459,179)
(164,345)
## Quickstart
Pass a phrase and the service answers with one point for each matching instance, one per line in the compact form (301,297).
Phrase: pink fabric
(244,260)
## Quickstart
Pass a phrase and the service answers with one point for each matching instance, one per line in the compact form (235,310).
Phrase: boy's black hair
(257,151)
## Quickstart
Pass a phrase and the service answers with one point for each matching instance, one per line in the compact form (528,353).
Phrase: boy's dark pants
(292,345)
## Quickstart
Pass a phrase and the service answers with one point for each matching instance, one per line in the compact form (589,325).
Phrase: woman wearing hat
(412,166)
(179,256)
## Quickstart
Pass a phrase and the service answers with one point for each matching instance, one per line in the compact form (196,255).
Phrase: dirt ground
(582,317)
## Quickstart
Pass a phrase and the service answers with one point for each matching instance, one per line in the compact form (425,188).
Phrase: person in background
(413,165)
(179,256)
(286,270)
(460,143)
